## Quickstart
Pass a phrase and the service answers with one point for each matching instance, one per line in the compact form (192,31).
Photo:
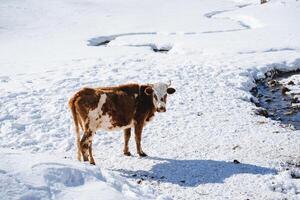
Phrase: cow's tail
(76,123)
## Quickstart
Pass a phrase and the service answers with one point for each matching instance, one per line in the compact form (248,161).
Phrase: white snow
(217,48)
(43,176)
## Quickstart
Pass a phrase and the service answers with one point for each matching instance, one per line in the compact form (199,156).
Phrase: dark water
(274,102)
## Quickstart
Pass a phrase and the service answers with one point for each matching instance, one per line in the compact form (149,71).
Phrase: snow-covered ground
(216,49)
(44,176)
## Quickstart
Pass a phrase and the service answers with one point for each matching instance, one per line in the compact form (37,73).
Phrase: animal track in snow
(213,13)
(107,39)
(246,22)
(269,50)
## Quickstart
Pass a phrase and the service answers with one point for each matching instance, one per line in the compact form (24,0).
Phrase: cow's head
(159,92)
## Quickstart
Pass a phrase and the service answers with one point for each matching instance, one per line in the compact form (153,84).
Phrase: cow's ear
(171,90)
(149,91)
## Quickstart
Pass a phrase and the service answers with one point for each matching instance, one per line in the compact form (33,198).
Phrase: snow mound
(284,183)
(248,21)
(24,176)
(287,179)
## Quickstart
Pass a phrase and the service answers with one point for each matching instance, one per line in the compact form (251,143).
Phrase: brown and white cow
(116,108)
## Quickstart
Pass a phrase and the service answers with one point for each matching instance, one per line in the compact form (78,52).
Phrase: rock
(262,122)
(271,114)
(290,112)
(295,100)
(291,83)
(236,162)
(262,112)
(295,175)
(273,83)
(254,90)
(235,147)
(284,90)
(268,100)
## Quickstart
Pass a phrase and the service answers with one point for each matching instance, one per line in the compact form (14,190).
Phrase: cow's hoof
(92,163)
(143,154)
(127,153)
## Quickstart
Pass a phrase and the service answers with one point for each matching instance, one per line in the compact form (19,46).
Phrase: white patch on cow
(104,122)
(136,95)
(118,128)
(95,115)
(160,90)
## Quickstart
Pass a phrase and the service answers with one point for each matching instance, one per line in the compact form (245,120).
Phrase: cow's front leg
(127,133)
(138,136)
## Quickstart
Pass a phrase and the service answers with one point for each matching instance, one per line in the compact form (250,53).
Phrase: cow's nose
(161,109)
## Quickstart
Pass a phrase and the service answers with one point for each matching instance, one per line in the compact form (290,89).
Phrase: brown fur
(124,104)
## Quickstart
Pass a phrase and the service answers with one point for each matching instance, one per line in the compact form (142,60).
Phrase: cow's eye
(162,99)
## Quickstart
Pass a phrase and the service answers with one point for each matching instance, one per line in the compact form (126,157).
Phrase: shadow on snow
(192,173)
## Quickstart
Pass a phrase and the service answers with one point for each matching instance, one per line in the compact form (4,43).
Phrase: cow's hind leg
(127,133)
(92,161)
(138,137)
(79,155)
(86,146)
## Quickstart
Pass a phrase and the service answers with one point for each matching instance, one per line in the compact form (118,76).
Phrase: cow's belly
(105,122)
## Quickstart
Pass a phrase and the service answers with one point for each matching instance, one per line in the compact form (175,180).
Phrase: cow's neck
(144,102)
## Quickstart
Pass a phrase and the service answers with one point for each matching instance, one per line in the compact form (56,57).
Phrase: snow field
(216,50)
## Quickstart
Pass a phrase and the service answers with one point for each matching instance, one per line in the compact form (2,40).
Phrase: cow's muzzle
(161,109)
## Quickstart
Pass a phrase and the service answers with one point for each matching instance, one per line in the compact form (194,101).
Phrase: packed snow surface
(44,176)
(208,145)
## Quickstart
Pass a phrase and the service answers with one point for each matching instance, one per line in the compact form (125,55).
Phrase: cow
(121,107)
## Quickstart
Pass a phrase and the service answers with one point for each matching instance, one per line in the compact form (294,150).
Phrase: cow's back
(107,108)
